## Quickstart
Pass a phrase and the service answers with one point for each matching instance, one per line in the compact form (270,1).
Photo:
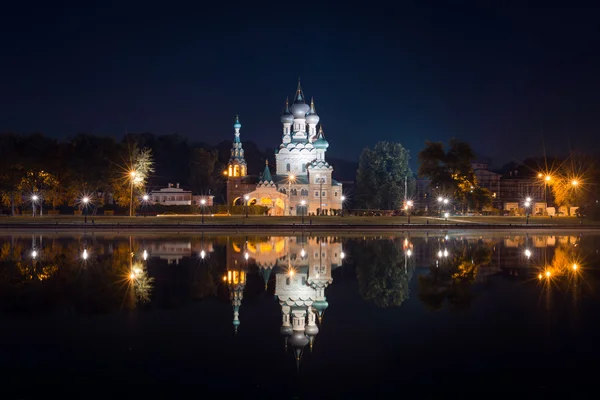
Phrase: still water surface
(299,315)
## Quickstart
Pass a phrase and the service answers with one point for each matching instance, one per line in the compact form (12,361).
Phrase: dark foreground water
(299,316)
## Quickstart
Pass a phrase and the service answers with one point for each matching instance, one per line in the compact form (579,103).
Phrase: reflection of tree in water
(452,278)
(380,271)
(59,276)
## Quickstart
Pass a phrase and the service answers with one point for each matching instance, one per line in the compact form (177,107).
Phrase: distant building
(171,196)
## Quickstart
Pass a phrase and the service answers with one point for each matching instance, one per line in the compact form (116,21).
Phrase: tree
(450,172)
(381,175)
(203,169)
(130,183)
(381,275)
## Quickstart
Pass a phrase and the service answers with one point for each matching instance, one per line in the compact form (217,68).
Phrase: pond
(299,316)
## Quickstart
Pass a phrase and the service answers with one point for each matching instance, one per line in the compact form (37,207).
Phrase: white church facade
(302,183)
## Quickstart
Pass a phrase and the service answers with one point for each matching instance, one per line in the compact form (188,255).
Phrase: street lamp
(85,201)
(320,181)
(145,199)
(343,198)
(246,198)
(132,175)
(202,204)
(34,200)
(291,178)
(303,203)
(409,205)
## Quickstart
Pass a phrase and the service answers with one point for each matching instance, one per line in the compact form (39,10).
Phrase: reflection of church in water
(302,268)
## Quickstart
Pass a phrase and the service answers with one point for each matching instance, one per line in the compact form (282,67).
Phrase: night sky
(499,78)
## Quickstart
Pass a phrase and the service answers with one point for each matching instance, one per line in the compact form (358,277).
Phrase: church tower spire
(237,163)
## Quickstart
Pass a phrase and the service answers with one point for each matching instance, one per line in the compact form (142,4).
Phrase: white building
(302,183)
(171,196)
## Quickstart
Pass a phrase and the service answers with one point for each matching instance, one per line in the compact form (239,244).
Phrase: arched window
(283,191)
(304,192)
(294,192)
(303,167)
(288,167)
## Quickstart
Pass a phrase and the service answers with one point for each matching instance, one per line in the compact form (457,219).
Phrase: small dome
(287,118)
(320,305)
(321,143)
(312,119)
(299,110)
(237,124)
(298,339)
(311,330)
(286,330)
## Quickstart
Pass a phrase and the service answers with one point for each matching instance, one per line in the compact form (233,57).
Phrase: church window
(317,193)
(324,194)
(294,192)
(334,194)
(303,167)
(283,191)
(304,192)
(288,167)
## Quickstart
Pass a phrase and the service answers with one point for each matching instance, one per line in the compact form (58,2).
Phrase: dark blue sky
(497,77)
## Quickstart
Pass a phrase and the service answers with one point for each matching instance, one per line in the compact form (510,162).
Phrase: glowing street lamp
(527,253)
(343,198)
(145,199)
(34,200)
(85,254)
(85,202)
(408,206)
(202,204)
(574,182)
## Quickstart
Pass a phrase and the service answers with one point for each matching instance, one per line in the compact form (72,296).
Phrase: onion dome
(320,306)
(299,108)
(287,117)
(298,341)
(286,330)
(312,117)
(321,143)
(237,124)
(311,330)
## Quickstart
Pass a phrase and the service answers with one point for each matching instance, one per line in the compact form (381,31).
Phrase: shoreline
(234,228)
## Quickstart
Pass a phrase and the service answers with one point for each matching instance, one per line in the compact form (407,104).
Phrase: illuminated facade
(302,183)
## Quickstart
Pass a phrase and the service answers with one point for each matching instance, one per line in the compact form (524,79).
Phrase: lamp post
(527,205)
(303,203)
(145,199)
(132,175)
(291,178)
(343,198)
(246,198)
(320,181)
(85,201)
(34,200)
(202,204)
(409,205)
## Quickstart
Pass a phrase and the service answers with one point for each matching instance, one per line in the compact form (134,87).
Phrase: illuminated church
(302,183)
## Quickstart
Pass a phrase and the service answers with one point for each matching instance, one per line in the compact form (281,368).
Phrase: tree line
(60,172)
(384,175)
